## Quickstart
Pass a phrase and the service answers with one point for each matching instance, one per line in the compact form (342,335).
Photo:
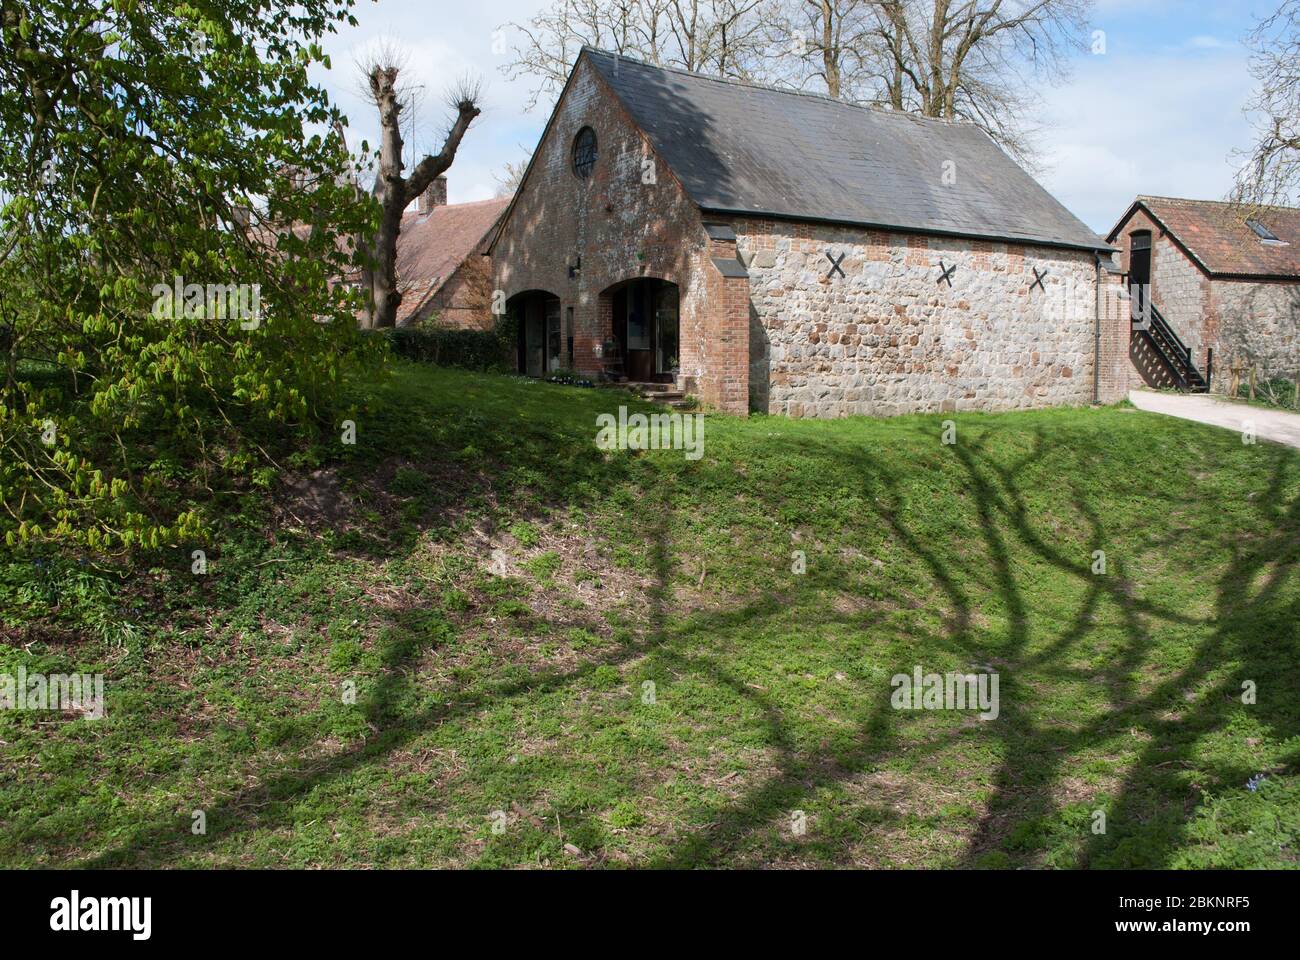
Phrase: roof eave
(1119,224)
(909,228)
(1258,277)
(1191,254)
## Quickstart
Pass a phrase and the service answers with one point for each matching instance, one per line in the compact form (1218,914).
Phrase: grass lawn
(508,720)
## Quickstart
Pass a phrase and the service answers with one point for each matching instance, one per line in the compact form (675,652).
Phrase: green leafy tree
(150,147)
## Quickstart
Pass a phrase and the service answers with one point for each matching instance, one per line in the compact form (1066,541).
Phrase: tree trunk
(394,192)
(830,51)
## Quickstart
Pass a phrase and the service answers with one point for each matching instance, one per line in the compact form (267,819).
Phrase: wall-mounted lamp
(575,269)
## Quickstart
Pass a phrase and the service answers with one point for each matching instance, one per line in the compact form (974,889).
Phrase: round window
(584,152)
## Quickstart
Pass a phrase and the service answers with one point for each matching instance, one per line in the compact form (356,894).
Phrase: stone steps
(663,393)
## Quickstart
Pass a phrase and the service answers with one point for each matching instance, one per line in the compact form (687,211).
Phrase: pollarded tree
(393,191)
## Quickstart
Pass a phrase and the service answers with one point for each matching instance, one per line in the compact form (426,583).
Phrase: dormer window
(1264,233)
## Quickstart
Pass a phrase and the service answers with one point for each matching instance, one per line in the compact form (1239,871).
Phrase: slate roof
(1215,235)
(743,149)
(432,246)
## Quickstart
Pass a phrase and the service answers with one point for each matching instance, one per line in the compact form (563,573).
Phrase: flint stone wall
(891,337)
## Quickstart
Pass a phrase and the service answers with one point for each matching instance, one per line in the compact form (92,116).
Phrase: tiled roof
(1217,237)
(432,246)
(743,149)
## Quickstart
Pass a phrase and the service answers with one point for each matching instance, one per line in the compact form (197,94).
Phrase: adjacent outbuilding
(442,268)
(1224,282)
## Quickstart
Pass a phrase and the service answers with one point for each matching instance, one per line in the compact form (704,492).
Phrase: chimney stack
(435,195)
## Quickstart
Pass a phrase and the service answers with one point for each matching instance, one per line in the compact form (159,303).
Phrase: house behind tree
(442,270)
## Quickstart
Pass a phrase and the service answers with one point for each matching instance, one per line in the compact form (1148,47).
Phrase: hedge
(485,350)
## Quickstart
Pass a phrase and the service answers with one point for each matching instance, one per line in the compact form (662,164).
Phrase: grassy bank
(569,658)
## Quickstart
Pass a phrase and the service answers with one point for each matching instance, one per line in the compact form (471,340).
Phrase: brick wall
(1116,375)
(1257,322)
(885,338)
(631,218)
(464,302)
(1178,286)
(1180,290)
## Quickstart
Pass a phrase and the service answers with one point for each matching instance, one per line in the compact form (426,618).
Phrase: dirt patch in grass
(315,500)
(566,565)
(44,632)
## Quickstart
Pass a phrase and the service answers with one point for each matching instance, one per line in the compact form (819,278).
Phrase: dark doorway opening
(647,334)
(536,314)
(1139,269)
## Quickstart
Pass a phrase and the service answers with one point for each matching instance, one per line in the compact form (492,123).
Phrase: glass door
(666,337)
(552,335)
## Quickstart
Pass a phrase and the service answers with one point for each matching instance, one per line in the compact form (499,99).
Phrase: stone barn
(1223,282)
(782,252)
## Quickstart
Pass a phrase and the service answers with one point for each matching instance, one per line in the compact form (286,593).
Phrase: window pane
(638,334)
(584,152)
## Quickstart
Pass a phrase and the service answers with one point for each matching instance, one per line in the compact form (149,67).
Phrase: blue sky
(1159,112)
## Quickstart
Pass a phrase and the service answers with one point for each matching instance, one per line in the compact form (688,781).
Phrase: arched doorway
(645,327)
(540,346)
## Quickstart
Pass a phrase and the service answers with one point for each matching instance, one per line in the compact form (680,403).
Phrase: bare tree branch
(394,191)
(1270,172)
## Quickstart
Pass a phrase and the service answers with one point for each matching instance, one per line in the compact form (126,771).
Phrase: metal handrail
(1176,354)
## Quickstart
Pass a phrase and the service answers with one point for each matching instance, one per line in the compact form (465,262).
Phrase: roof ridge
(454,206)
(826,98)
(829,165)
(472,203)
(1154,196)
(1219,203)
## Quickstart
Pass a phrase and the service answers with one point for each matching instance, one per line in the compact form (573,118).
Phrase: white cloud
(1162,125)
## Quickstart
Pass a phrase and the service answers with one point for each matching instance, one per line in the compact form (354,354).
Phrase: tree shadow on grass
(270,803)
(1145,822)
(1025,785)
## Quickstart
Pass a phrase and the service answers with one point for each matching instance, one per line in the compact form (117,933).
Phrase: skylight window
(1263,232)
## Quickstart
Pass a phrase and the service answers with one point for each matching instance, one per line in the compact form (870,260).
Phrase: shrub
(1273,393)
(149,150)
(480,350)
